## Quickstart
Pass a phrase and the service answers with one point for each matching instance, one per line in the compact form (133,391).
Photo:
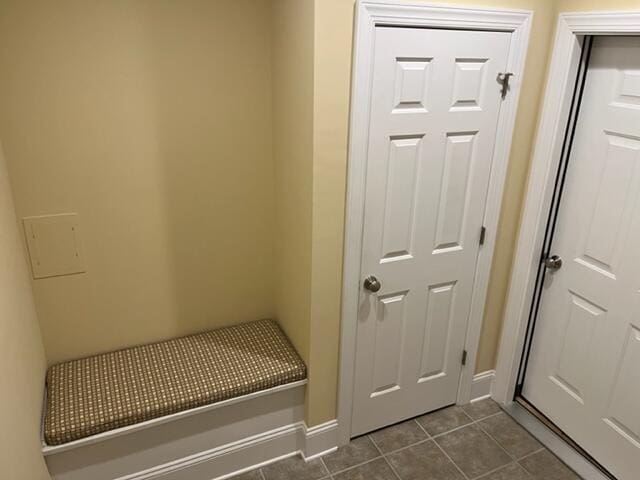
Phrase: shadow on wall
(22,363)
(150,119)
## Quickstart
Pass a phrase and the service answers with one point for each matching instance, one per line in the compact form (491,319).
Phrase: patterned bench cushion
(116,389)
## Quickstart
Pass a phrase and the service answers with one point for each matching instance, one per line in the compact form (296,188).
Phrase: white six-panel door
(434,110)
(584,369)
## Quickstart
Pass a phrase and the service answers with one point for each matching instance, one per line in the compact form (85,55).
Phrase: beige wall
(292,74)
(195,213)
(22,362)
(587,5)
(524,136)
(152,120)
(333,33)
(539,55)
(134,125)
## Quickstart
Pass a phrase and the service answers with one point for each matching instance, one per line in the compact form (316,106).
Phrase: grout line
(438,435)
(464,475)
(434,438)
(375,445)
(491,437)
(480,477)
(484,475)
(429,437)
(407,446)
(477,423)
(402,448)
(515,459)
(423,429)
(384,457)
(473,422)
(531,454)
(528,473)
(330,475)
(501,412)
(353,466)
(393,469)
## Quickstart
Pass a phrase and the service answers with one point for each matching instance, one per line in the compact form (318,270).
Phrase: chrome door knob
(372,284)
(553,262)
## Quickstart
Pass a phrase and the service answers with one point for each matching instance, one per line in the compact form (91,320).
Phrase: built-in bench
(104,392)
(149,411)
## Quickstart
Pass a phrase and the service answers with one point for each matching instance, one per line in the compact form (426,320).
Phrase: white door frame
(370,13)
(571,28)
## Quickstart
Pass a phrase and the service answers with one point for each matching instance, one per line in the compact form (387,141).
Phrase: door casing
(565,62)
(369,14)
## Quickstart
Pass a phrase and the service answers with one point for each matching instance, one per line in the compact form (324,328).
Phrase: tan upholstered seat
(112,390)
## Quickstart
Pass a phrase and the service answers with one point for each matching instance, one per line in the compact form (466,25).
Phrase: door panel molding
(372,13)
(565,63)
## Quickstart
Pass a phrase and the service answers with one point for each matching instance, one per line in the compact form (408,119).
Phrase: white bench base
(211,442)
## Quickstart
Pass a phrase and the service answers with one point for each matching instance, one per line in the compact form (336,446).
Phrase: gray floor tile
(481,409)
(444,420)
(511,436)
(424,461)
(473,451)
(295,468)
(513,471)
(545,466)
(398,436)
(360,450)
(253,475)
(376,470)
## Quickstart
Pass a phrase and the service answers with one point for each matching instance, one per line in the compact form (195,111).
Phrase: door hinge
(503,79)
(464,357)
(483,234)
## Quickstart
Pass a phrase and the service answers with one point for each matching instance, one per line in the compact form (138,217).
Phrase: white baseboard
(227,460)
(248,454)
(202,444)
(320,440)
(482,385)
(215,442)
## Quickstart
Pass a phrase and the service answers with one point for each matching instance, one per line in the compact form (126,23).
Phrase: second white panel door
(584,367)
(434,112)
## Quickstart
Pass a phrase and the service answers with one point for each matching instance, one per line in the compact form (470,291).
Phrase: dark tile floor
(476,441)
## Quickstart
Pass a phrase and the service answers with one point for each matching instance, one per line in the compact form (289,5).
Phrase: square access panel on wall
(54,245)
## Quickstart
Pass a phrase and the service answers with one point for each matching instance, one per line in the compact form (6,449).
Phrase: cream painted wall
(152,120)
(333,32)
(589,5)
(134,114)
(22,362)
(535,78)
(292,73)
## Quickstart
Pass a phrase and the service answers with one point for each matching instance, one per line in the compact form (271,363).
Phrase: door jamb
(369,14)
(555,115)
